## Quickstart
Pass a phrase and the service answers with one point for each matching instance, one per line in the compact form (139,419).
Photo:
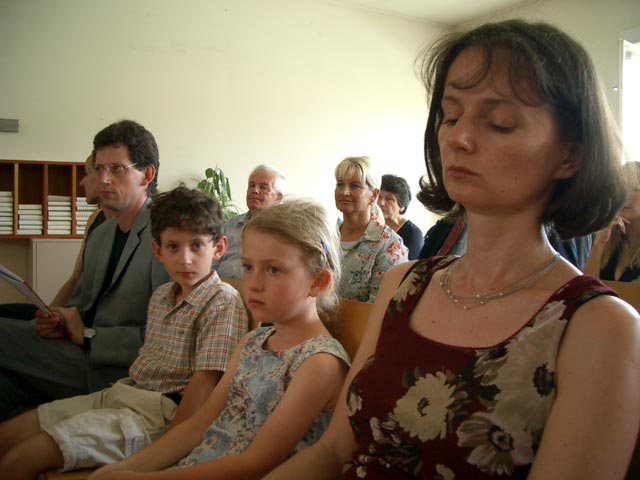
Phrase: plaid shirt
(199,333)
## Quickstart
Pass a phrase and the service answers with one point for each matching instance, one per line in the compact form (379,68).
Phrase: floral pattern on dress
(422,409)
(364,264)
(257,386)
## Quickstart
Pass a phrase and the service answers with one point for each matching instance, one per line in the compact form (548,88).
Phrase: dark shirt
(608,272)
(412,238)
(116,252)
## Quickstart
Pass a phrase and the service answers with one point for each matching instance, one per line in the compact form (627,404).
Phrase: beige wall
(296,83)
(299,84)
(596,24)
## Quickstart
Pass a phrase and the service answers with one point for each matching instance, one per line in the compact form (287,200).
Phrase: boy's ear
(321,282)
(220,247)
(572,162)
(157,251)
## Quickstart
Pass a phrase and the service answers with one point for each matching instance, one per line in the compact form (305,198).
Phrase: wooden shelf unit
(32,181)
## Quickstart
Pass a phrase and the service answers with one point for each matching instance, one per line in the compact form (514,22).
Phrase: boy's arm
(195,394)
(313,388)
(179,441)
(222,325)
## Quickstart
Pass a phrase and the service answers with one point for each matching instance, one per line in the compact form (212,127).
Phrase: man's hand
(59,323)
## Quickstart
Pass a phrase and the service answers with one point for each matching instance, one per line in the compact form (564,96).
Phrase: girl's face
(353,195)
(499,154)
(277,285)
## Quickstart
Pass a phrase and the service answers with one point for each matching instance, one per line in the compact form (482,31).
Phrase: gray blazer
(121,314)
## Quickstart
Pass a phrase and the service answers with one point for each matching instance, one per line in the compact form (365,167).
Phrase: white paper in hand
(23,287)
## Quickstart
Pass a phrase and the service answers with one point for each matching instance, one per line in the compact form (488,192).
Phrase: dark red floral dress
(422,409)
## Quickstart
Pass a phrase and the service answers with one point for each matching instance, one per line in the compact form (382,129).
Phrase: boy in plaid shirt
(194,324)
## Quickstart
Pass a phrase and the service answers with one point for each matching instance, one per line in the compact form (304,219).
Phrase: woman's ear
(572,162)
(374,197)
(321,282)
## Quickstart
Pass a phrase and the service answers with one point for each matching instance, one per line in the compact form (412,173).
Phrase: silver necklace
(478,300)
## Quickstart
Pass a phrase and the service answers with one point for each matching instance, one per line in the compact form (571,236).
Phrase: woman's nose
(460,135)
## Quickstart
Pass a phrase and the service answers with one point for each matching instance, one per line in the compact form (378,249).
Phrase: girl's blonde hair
(362,167)
(304,224)
(632,175)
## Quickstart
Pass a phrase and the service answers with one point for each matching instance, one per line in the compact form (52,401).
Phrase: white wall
(296,83)
(596,24)
(299,84)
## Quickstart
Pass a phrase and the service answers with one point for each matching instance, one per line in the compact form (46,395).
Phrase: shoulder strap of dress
(579,290)
(320,344)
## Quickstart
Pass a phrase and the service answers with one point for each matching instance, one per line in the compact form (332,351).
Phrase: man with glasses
(90,343)
(266,187)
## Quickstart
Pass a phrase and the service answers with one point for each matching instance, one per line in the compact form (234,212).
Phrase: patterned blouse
(258,384)
(427,410)
(367,260)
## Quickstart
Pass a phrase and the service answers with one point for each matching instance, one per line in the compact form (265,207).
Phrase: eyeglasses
(112,170)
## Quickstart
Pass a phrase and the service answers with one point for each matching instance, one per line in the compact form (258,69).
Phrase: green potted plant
(216,184)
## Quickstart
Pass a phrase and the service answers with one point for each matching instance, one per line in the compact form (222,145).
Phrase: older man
(266,187)
(91,342)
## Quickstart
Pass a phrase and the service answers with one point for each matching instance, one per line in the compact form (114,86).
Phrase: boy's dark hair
(142,147)
(186,209)
(548,63)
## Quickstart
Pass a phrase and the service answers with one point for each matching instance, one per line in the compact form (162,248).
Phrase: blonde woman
(369,248)
(615,254)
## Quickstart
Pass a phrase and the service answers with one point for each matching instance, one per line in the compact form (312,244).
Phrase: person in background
(92,341)
(279,392)
(27,311)
(92,196)
(394,198)
(615,254)
(266,187)
(506,362)
(369,247)
(193,327)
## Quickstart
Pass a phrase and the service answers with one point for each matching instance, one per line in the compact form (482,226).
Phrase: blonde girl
(283,380)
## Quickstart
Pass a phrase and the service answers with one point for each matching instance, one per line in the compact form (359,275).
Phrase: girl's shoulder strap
(320,344)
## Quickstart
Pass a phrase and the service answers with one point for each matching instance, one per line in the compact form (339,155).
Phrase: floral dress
(365,261)
(423,409)
(257,386)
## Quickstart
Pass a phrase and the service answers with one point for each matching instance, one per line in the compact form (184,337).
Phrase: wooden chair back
(628,291)
(353,318)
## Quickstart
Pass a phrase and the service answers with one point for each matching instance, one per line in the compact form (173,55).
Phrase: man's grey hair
(279,184)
